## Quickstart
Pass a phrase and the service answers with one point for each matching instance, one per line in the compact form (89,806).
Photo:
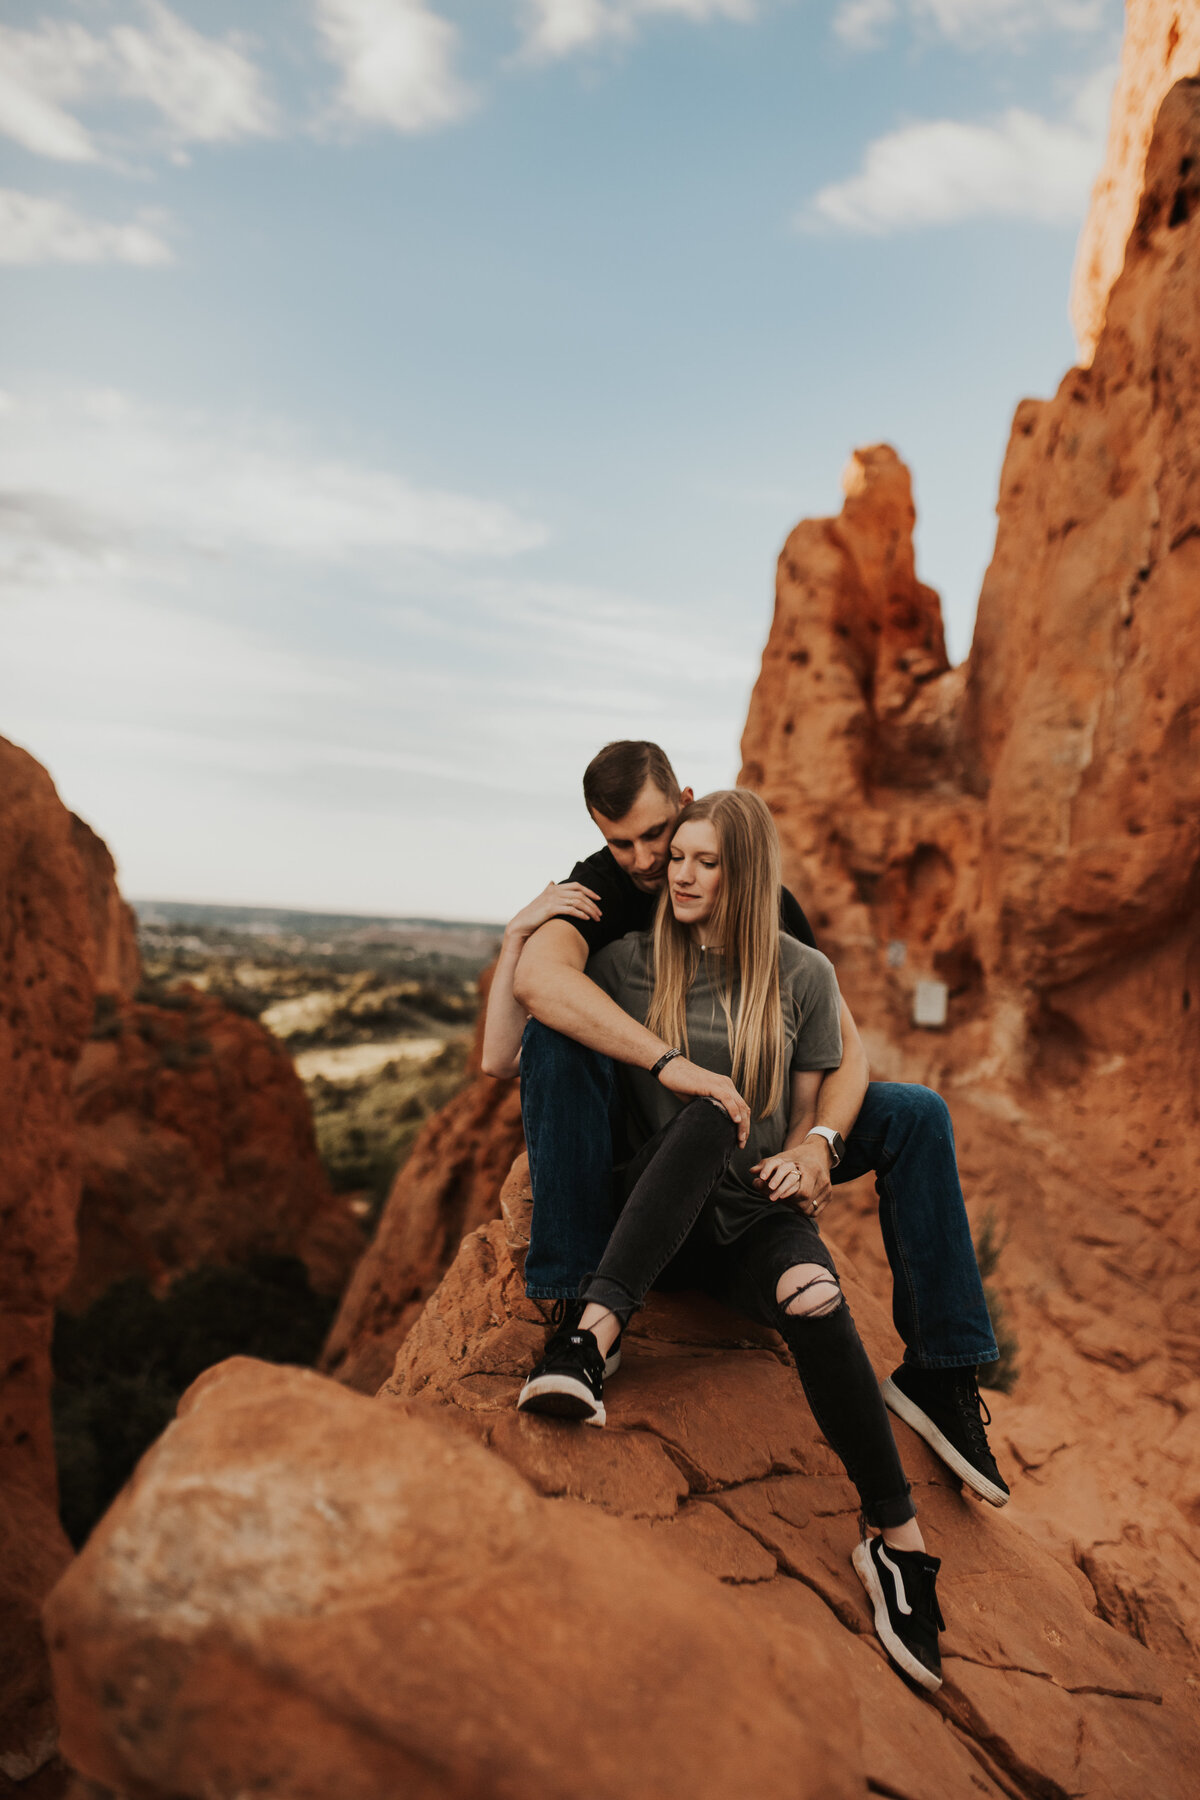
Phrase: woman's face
(694,871)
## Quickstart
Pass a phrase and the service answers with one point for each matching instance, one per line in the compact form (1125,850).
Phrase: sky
(399,399)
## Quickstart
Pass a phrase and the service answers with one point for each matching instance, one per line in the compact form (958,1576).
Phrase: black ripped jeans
(667,1225)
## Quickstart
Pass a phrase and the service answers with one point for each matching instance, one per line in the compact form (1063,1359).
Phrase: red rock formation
(666,1606)
(1161,47)
(1034,838)
(184,1127)
(46,983)
(1040,817)
(197,1146)
(401,1613)
(449,1184)
(117,961)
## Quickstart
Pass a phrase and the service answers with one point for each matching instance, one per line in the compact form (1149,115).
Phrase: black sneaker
(569,1380)
(944,1407)
(902,1587)
(565,1316)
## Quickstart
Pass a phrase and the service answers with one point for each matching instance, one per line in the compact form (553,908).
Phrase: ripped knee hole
(803,1303)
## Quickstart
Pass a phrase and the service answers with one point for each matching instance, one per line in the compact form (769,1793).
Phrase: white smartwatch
(837,1147)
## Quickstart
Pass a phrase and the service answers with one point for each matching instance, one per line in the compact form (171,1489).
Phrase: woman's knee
(808,1291)
(708,1118)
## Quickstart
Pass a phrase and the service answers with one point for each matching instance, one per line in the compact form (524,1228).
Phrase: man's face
(639,841)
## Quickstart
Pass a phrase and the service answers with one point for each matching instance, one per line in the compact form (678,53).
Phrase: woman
(717,978)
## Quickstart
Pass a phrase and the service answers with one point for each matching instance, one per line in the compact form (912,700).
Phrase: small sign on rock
(929,1004)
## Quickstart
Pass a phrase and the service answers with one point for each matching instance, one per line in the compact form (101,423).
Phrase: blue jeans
(574,1131)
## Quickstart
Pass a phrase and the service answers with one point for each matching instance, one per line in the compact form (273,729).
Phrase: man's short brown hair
(617,774)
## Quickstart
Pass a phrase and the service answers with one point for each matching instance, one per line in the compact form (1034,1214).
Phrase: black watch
(666,1057)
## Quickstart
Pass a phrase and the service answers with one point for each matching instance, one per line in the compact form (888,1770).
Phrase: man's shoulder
(601,869)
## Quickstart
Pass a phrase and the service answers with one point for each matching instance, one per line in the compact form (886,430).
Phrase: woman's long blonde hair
(745,923)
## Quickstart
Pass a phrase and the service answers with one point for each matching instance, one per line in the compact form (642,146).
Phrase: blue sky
(401,398)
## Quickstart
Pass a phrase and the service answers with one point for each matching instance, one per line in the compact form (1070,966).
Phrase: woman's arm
(506,1017)
(844,1089)
(782,1176)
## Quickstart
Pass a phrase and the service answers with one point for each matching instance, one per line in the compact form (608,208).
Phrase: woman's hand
(557,900)
(778,1177)
(800,1175)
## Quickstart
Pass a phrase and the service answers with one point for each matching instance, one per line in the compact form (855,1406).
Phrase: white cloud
(38,70)
(862,23)
(36,229)
(1015,20)
(206,90)
(100,478)
(397,59)
(942,171)
(558,28)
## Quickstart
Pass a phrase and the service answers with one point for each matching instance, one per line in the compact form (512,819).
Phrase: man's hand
(691,1082)
(800,1175)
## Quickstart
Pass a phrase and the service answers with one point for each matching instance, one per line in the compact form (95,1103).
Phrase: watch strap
(666,1057)
(833,1139)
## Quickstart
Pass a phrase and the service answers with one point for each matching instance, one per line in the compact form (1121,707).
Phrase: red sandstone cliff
(196,1144)
(136,1138)
(1031,834)
(1161,47)
(46,973)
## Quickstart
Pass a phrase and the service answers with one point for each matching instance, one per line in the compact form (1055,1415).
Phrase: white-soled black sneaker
(565,1316)
(902,1588)
(944,1406)
(568,1383)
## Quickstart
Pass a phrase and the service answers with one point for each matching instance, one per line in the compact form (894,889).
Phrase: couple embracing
(692,1088)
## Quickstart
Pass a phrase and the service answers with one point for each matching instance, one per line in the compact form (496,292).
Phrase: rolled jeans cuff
(888,1513)
(602,1290)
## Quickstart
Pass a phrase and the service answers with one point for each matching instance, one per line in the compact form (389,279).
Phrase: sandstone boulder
(303,1593)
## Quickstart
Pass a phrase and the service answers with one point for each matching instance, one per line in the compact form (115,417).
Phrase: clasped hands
(800,1176)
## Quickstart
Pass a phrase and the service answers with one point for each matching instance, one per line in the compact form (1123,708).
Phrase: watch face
(838,1147)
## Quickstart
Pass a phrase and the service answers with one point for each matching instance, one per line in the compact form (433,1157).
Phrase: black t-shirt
(625,907)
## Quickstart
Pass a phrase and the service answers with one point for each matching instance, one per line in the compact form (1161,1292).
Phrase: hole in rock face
(1179,209)
(799,656)
(1187,1000)
(1060,1047)
(929,880)
(866,885)
(960,969)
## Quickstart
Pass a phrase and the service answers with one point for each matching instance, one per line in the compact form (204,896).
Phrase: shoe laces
(975,1411)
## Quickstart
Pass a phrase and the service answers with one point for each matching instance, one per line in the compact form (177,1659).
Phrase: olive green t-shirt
(812,1035)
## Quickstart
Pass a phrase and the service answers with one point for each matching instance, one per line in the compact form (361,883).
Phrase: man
(902,1132)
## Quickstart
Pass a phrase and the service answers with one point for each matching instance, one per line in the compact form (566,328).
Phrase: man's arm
(504,1023)
(550,983)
